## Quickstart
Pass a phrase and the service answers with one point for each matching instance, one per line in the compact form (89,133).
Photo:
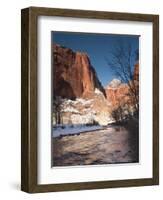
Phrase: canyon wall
(74,76)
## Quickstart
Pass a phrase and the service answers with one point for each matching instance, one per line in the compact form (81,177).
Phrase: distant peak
(114,83)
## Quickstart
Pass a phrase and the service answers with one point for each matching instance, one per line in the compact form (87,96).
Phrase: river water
(112,145)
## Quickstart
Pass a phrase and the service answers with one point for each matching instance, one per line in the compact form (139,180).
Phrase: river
(112,145)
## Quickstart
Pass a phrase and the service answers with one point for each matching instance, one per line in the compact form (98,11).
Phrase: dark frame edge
(156,99)
(28,101)
(92,185)
(24,99)
(93,14)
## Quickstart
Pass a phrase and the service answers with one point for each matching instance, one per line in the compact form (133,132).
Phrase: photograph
(95,99)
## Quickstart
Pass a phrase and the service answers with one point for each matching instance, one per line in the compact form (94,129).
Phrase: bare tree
(117,114)
(57,109)
(121,63)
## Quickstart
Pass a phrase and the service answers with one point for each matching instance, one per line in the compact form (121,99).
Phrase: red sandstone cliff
(118,93)
(73,74)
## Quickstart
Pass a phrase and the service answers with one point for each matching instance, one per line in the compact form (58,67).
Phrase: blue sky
(97,46)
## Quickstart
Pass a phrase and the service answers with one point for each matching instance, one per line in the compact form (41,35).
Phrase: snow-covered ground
(77,101)
(98,92)
(83,111)
(73,129)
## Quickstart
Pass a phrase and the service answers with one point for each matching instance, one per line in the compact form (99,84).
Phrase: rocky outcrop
(119,94)
(74,76)
(116,92)
(84,110)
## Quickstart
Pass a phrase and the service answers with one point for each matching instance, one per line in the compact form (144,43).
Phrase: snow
(70,109)
(82,119)
(83,101)
(61,130)
(97,91)
(89,110)
(82,111)
(114,83)
(69,102)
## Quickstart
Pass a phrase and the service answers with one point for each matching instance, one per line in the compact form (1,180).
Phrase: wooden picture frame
(29,134)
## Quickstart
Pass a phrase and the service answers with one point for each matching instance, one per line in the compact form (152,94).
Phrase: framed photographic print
(90,99)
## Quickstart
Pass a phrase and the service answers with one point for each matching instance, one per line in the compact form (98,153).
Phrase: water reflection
(114,144)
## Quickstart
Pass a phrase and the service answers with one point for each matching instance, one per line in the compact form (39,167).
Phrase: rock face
(75,82)
(116,92)
(73,73)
